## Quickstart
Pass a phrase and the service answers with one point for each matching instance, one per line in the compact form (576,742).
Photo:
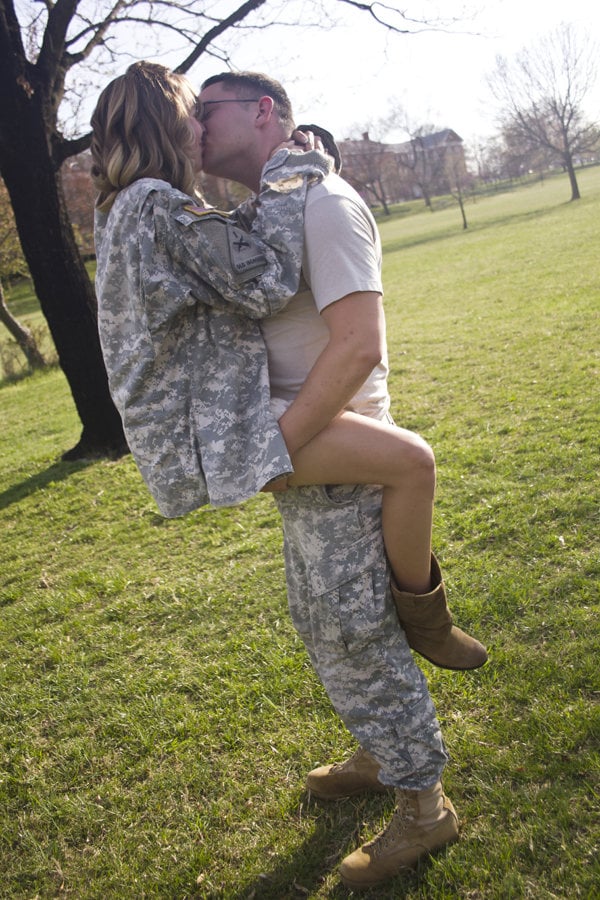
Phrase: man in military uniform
(327,352)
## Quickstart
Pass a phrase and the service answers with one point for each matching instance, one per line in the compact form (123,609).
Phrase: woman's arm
(256,271)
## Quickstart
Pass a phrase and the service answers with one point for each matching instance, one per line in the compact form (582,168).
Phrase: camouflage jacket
(180,290)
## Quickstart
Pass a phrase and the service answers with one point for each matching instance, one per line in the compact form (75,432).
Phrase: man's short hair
(247,84)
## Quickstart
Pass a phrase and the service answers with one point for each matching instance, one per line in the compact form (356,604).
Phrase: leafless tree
(42,44)
(365,168)
(422,159)
(426,169)
(386,171)
(459,180)
(22,335)
(521,156)
(80,195)
(541,95)
(13,264)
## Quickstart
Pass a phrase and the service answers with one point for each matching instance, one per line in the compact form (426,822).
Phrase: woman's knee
(422,460)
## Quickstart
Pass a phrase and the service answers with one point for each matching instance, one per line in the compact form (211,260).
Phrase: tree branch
(10,30)
(63,149)
(14,66)
(377,11)
(55,35)
(98,32)
(370,8)
(213,33)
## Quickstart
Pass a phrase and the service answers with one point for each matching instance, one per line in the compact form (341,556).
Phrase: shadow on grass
(56,472)
(456,231)
(338,830)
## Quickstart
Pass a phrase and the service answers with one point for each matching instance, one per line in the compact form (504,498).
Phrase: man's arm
(356,345)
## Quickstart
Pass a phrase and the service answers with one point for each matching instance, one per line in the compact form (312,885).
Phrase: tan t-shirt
(342,254)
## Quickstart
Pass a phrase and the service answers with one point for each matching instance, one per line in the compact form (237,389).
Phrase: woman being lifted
(181,289)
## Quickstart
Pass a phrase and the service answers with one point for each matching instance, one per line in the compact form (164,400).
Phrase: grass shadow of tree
(339,828)
(56,472)
(452,231)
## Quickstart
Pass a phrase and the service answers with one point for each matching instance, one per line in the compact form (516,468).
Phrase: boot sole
(367,885)
(440,665)
(452,837)
(383,789)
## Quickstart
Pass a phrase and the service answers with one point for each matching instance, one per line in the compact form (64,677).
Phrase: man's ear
(266,107)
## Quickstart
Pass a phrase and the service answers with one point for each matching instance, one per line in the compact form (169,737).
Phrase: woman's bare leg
(356,449)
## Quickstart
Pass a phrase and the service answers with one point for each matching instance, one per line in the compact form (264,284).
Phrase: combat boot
(423,821)
(357,774)
(427,622)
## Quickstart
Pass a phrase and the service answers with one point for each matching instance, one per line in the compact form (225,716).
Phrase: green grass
(158,713)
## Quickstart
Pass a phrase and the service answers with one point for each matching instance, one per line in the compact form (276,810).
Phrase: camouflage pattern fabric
(179,291)
(341,605)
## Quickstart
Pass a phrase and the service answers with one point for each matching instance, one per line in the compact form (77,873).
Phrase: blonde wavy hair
(141,129)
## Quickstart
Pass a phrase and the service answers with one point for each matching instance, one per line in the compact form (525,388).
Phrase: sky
(348,78)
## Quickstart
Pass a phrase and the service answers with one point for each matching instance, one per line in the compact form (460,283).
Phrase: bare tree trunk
(461,203)
(66,297)
(575,195)
(22,335)
(60,278)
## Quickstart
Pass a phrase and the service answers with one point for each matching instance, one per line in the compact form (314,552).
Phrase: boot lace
(394,830)
(356,757)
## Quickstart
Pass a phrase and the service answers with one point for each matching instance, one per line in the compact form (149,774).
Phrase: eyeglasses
(201,112)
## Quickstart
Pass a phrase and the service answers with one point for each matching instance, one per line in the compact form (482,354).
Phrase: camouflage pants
(341,606)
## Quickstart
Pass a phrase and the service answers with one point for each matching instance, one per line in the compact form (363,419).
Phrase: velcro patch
(231,247)
(243,251)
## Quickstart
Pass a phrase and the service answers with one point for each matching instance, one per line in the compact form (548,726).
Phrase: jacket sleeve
(257,270)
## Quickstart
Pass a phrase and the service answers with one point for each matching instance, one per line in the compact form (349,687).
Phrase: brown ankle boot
(427,622)
(357,774)
(423,821)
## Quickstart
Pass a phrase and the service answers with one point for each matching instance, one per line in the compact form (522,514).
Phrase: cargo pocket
(349,591)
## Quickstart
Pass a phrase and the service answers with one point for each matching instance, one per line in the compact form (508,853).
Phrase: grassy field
(158,714)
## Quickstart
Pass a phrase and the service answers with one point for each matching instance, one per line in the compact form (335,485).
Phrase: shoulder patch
(246,256)
(205,211)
